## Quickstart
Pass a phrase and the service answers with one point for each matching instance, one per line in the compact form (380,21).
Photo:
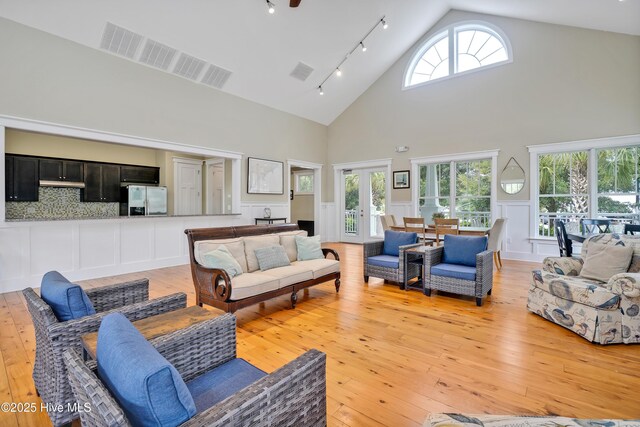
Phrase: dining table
(579,237)
(466,231)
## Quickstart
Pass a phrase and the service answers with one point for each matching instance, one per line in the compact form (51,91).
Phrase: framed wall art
(401,179)
(265,176)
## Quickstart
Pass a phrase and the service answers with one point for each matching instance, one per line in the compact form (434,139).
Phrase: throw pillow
(394,239)
(67,300)
(462,250)
(272,257)
(604,261)
(221,258)
(149,389)
(309,248)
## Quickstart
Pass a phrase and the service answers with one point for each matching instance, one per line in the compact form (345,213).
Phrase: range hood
(63,184)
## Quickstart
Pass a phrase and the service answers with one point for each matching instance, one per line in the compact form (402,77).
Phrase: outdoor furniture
(387,221)
(596,226)
(446,226)
(214,387)
(385,259)
(631,229)
(496,234)
(462,266)
(54,336)
(565,245)
(604,312)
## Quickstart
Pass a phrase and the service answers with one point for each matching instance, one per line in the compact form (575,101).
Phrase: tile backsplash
(57,203)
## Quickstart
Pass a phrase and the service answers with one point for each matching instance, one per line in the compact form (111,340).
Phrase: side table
(270,220)
(415,257)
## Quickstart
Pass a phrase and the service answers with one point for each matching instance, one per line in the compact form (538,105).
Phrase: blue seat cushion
(148,388)
(463,249)
(386,261)
(222,382)
(455,271)
(67,300)
(394,239)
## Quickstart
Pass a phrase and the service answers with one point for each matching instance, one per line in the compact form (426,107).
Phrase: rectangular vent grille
(120,41)
(189,67)
(157,55)
(301,72)
(216,76)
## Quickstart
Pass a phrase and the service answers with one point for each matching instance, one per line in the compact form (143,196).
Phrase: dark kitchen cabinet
(140,174)
(102,183)
(61,170)
(21,178)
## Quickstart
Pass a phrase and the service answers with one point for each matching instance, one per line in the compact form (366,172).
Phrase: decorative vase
(267,212)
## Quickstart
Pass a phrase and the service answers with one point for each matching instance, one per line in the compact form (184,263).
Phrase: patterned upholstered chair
(54,336)
(462,266)
(207,384)
(385,259)
(605,312)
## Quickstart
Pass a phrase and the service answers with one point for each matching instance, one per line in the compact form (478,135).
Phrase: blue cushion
(222,382)
(67,300)
(386,261)
(455,271)
(394,239)
(272,257)
(463,249)
(147,387)
(308,247)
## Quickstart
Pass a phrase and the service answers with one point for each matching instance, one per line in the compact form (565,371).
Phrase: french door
(362,202)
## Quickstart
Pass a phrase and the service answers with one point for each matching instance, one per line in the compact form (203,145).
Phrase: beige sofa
(214,286)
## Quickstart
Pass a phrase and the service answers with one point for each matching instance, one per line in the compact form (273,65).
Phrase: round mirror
(512,177)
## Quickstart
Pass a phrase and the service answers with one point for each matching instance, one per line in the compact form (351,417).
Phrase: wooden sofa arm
(108,297)
(213,282)
(327,251)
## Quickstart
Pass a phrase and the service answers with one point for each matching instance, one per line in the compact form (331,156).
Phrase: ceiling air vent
(157,55)
(301,72)
(120,41)
(189,66)
(216,76)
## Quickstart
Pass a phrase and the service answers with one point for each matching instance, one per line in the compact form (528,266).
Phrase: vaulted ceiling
(261,49)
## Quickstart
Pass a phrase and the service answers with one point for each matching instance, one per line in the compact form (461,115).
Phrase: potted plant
(437,215)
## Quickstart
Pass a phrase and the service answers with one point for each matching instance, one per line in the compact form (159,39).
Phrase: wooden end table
(415,256)
(156,326)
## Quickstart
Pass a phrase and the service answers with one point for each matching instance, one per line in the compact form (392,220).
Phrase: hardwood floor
(395,356)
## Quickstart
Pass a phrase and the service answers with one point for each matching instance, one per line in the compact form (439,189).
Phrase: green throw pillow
(221,258)
(308,248)
(272,257)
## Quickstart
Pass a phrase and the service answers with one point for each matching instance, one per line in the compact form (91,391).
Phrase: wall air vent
(301,72)
(189,67)
(120,41)
(157,55)
(216,76)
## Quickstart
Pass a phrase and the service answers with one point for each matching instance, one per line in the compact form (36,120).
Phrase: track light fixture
(360,44)
(271,7)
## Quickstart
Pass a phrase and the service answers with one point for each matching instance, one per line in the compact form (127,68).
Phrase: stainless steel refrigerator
(146,200)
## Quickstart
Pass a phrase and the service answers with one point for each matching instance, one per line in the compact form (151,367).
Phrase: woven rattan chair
(294,395)
(389,274)
(53,337)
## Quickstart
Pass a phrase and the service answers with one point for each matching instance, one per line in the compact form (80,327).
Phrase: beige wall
(301,205)
(47,78)
(564,84)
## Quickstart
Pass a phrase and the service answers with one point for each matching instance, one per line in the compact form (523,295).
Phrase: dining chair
(446,226)
(631,229)
(591,226)
(387,221)
(496,234)
(565,245)
(415,225)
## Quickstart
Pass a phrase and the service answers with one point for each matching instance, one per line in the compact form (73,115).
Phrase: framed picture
(401,179)
(265,176)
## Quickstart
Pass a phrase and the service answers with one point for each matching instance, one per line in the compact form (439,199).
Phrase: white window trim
(426,43)
(590,145)
(416,162)
(296,176)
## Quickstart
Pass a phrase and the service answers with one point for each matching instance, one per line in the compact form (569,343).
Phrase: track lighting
(271,7)
(384,24)
(320,90)
(338,72)
(364,48)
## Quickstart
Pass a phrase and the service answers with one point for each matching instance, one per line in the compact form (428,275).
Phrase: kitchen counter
(83,218)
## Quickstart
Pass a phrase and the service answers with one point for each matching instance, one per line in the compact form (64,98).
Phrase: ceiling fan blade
(294,3)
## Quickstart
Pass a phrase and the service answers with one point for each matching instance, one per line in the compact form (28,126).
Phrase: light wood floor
(393,356)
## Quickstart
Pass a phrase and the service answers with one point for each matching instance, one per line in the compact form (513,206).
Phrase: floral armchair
(601,312)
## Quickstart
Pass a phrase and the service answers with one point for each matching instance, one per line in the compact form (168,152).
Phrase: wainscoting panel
(51,248)
(99,244)
(328,226)
(136,241)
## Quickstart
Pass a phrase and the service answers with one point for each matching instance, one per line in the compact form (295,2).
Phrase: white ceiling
(262,49)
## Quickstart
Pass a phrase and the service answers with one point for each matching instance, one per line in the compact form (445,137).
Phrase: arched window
(459,48)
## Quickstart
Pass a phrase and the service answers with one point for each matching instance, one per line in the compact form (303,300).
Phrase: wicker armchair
(53,336)
(396,275)
(294,395)
(478,288)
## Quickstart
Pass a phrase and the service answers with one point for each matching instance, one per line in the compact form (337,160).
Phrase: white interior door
(363,200)
(188,187)
(215,188)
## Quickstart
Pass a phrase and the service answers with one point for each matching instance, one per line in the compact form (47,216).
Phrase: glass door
(363,201)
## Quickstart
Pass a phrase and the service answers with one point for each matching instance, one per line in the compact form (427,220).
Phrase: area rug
(463,420)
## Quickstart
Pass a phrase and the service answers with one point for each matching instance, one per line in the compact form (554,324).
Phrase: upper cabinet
(140,175)
(102,183)
(21,179)
(61,170)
